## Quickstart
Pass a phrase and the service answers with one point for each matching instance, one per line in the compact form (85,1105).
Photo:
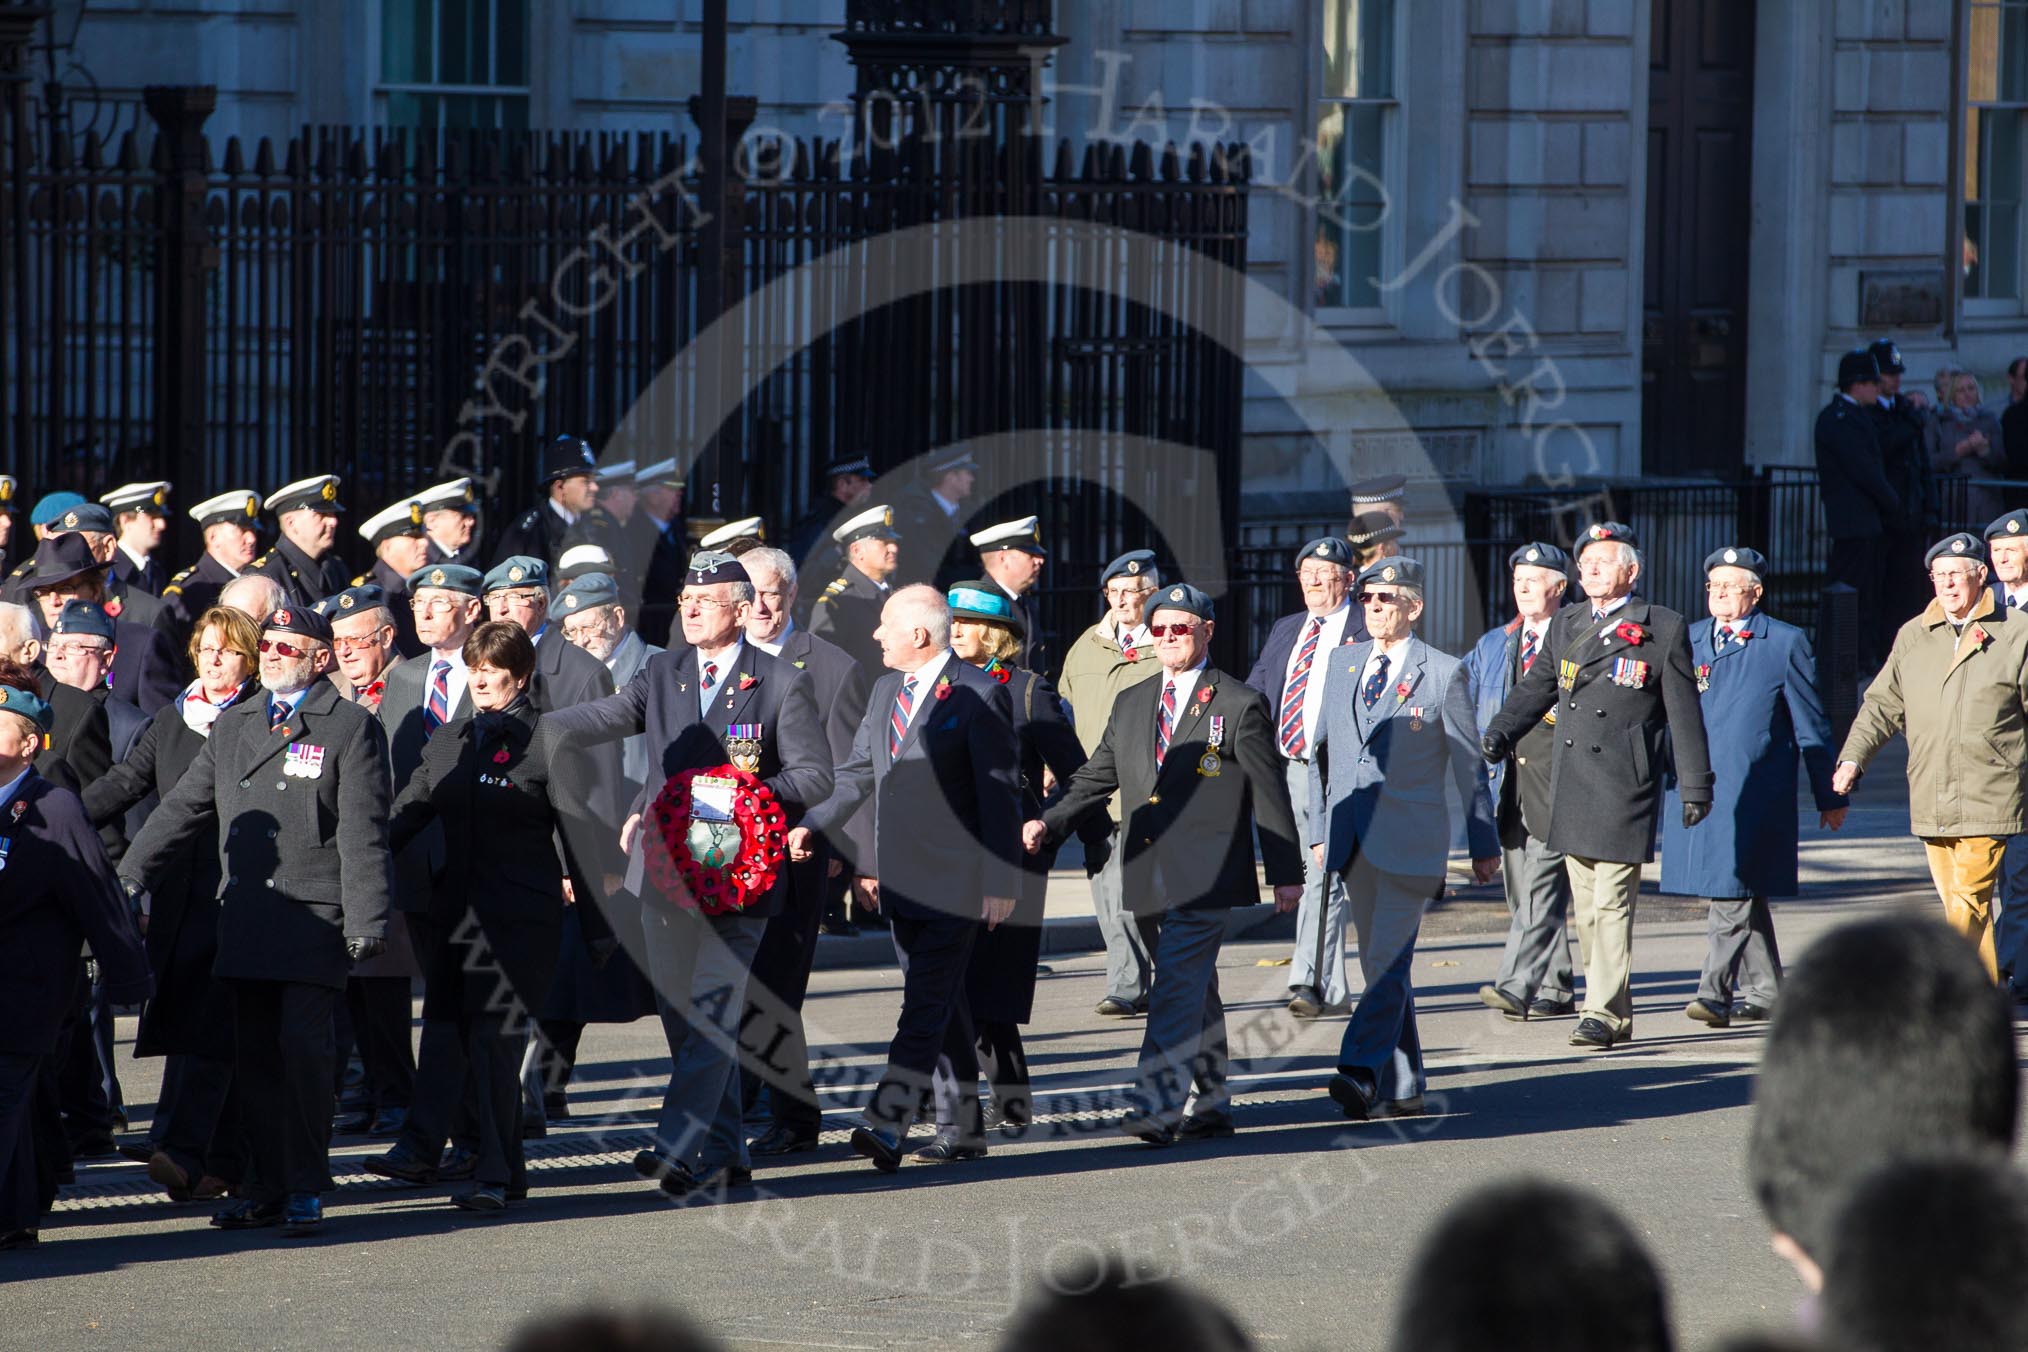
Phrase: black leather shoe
(20,1239)
(1205,1127)
(140,1152)
(97,1146)
(401,1163)
(949,1148)
(1144,1128)
(302,1213)
(1492,997)
(1552,1009)
(1753,1014)
(1113,1007)
(486,1199)
(839,929)
(457,1163)
(1412,1106)
(556,1107)
(1704,1012)
(1304,1002)
(388,1122)
(1352,1096)
(781,1141)
(1592,1033)
(351,1124)
(882,1147)
(248,1216)
(684,1182)
(514,1194)
(1015,1116)
(654,1166)
(533,1128)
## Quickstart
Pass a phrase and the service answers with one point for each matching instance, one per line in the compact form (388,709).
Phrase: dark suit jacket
(841,687)
(1271,670)
(847,613)
(662,701)
(125,725)
(1613,741)
(1198,828)
(407,733)
(947,809)
(304,857)
(305,581)
(147,578)
(80,740)
(193,591)
(1852,475)
(146,674)
(58,896)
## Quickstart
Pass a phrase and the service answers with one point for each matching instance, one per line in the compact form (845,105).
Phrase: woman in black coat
(507,795)
(195,1134)
(1000,980)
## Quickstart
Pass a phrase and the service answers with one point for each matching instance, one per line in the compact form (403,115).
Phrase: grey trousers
(1740,954)
(1128,949)
(1183,1049)
(699,965)
(1319,957)
(1536,963)
(2011,936)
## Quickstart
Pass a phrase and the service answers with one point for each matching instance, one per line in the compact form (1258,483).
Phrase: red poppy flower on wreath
(742,880)
(1631,632)
(500,757)
(943,687)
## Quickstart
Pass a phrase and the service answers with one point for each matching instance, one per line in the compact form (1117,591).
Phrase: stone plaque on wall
(1452,454)
(1903,298)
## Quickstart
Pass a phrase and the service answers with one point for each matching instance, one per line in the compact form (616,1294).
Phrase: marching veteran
(1617,673)
(1757,681)
(1955,684)
(1396,731)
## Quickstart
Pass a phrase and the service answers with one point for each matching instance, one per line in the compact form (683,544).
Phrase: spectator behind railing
(1965,442)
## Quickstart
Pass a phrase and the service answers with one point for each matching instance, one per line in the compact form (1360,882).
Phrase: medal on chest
(1566,674)
(1415,719)
(303,761)
(743,746)
(1629,673)
(6,844)
(1703,677)
(1209,763)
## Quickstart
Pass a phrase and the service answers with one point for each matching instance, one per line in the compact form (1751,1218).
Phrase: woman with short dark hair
(518,847)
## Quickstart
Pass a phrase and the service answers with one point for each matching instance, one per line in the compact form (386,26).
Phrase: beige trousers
(1966,869)
(1602,897)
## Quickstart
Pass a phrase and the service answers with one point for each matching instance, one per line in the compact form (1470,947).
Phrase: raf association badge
(743,746)
(1209,764)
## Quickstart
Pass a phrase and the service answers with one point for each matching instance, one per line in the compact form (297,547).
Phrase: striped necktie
(1527,650)
(897,722)
(1165,720)
(439,707)
(1293,741)
(1376,682)
(278,714)
(1724,635)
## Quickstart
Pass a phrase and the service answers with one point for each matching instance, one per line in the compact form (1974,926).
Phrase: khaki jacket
(1095,671)
(1962,702)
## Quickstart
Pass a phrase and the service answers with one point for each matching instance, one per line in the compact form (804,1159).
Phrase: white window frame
(1975,308)
(1394,176)
(378,89)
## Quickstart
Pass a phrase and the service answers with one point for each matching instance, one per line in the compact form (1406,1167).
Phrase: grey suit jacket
(1378,776)
(626,662)
(408,732)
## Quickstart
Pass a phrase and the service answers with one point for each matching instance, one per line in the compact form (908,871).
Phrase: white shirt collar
(1609,607)
(773,647)
(726,660)
(925,677)
(950,508)
(569,517)
(1185,683)
(140,560)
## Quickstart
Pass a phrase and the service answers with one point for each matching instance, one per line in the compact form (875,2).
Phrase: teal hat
(86,617)
(26,703)
(1329,548)
(455,577)
(586,591)
(352,601)
(50,506)
(1397,571)
(984,601)
(1177,596)
(517,570)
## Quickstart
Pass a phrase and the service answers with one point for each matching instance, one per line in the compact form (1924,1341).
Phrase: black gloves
(359,950)
(1694,813)
(1495,746)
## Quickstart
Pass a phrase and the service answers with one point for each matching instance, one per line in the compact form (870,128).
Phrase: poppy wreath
(763,838)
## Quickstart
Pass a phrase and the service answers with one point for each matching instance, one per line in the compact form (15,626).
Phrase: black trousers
(20,1192)
(197,1119)
(381,1017)
(774,1045)
(443,1102)
(1860,562)
(936,1020)
(285,1051)
(494,1057)
(85,1088)
(1005,1062)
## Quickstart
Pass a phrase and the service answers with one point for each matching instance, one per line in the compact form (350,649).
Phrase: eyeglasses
(1179,630)
(70,650)
(281,649)
(345,647)
(1947,574)
(1317,577)
(210,653)
(705,603)
(430,605)
(1390,598)
(516,598)
(1721,588)
(1119,594)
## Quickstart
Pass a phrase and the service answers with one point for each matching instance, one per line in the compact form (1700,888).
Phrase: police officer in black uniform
(400,549)
(304,560)
(847,484)
(569,489)
(1861,505)
(231,526)
(849,610)
(1899,426)
(661,539)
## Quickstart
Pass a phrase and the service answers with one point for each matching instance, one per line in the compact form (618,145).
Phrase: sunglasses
(1179,630)
(1367,596)
(282,649)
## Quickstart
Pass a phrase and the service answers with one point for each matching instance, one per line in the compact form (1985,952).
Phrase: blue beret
(303,621)
(50,506)
(1178,596)
(1133,563)
(26,703)
(984,601)
(2014,524)
(352,600)
(1330,548)
(587,590)
(1538,554)
(1737,556)
(86,617)
(713,567)
(1398,571)
(517,570)
(1963,545)
(448,577)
